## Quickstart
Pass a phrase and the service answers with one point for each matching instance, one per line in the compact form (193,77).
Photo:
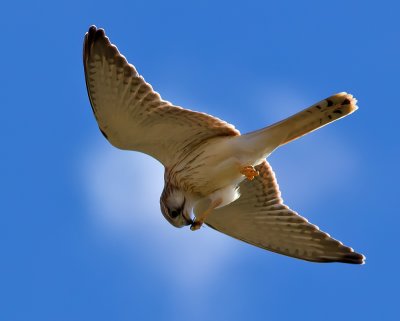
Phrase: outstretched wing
(131,115)
(259,217)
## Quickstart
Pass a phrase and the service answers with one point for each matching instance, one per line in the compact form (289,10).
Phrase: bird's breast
(210,167)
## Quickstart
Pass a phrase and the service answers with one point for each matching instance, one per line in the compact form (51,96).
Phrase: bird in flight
(211,170)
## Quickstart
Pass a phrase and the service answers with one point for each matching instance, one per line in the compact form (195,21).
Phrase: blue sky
(82,236)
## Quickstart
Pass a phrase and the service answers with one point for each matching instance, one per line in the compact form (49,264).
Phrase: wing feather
(131,115)
(259,217)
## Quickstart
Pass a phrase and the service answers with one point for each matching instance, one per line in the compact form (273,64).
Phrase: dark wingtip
(88,41)
(354,258)
(92,28)
(351,258)
(90,34)
(94,34)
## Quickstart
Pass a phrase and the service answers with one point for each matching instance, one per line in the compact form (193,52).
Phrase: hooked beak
(187,218)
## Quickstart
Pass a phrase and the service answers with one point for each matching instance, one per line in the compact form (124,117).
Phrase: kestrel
(211,170)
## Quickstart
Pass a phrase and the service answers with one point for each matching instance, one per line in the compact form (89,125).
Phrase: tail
(304,122)
(314,117)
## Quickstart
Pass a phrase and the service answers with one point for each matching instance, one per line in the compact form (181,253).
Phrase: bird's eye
(174,213)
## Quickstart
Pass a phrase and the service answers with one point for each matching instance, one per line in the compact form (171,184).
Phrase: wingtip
(355,258)
(351,258)
(91,31)
(94,33)
(92,28)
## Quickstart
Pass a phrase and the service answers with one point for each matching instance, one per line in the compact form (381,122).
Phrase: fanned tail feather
(316,116)
(267,139)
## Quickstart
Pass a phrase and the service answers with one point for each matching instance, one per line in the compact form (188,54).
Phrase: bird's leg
(200,218)
(249,171)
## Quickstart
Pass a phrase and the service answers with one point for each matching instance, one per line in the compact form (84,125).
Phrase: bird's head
(175,207)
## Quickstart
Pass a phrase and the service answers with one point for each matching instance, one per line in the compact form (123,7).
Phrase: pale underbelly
(216,165)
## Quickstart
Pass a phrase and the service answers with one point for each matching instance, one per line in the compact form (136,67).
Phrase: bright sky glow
(81,233)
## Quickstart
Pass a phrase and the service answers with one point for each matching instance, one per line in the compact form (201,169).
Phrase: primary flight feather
(210,168)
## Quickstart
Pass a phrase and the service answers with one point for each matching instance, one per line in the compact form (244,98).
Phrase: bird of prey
(213,174)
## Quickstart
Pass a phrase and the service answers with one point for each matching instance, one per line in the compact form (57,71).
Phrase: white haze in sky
(314,165)
(123,190)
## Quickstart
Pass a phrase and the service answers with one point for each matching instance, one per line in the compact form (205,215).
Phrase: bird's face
(175,207)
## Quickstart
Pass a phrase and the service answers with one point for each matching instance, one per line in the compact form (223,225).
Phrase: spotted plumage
(211,170)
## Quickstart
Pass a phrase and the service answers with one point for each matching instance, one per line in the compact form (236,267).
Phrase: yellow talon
(250,172)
